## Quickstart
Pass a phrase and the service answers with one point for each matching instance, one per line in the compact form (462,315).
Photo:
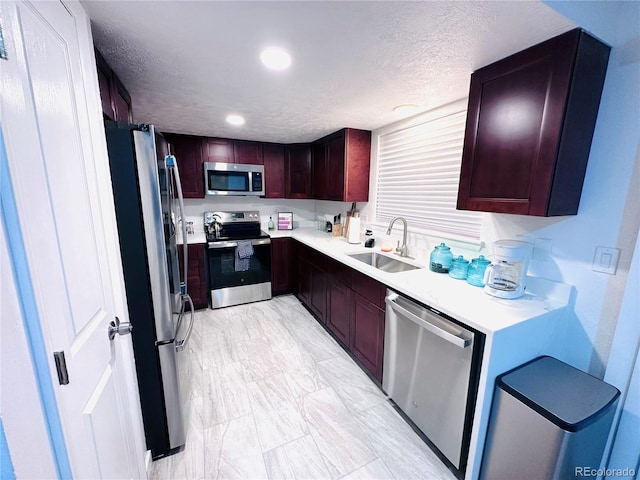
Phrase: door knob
(115,327)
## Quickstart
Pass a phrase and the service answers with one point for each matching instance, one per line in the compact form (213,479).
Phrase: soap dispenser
(369,241)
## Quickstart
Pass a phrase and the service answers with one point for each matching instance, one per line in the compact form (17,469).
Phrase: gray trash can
(548,420)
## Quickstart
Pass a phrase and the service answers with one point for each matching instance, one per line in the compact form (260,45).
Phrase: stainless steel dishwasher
(427,372)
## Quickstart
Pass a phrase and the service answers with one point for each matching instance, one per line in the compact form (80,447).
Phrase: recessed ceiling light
(406,109)
(275,58)
(234,119)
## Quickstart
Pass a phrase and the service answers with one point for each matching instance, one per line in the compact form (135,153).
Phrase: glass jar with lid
(476,271)
(459,268)
(440,259)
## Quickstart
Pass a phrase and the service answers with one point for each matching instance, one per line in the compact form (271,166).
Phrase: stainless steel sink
(383,262)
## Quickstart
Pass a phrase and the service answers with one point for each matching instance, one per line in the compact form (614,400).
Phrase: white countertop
(197,237)
(456,298)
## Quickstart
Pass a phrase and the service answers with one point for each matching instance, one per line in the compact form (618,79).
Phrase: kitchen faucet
(400,250)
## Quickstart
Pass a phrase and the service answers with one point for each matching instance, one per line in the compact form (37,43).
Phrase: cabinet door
(197,278)
(319,167)
(196,275)
(318,300)
(121,102)
(334,171)
(367,334)
(274,170)
(104,83)
(187,150)
(524,112)
(368,288)
(281,262)
(357,155)
(339,310)
(298,171)
(304,281)
(162,146)
(217,150)
(248,152)
(341,166)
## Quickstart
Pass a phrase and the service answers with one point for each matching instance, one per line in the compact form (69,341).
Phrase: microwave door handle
(173,167)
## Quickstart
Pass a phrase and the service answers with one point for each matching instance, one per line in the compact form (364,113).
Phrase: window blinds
(418,174)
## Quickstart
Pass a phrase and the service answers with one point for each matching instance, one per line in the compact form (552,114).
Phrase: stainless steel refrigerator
(149,207)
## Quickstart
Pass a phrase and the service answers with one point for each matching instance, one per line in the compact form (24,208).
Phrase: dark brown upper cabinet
(298,170)
(116,101)
(245,151)
(217,150)
(529,127)
(273,154)
(341,166)
(121,101)
(188,152)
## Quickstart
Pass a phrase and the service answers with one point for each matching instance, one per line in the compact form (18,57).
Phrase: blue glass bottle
(459,268)
(476,270)
(440,259)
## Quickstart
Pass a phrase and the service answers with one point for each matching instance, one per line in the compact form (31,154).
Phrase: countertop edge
(441,291)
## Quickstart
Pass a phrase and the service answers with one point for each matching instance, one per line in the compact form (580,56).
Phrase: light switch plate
(605,260)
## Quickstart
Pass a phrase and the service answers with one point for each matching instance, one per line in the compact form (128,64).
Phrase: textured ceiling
(188,64)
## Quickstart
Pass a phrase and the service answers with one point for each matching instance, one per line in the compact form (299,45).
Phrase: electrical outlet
(605,260)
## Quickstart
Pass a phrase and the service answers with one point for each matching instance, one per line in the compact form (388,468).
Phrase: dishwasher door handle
(449,337)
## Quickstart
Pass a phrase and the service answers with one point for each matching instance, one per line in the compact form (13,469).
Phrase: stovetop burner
(225,226)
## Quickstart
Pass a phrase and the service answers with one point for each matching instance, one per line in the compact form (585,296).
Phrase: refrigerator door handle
(181,344)
(173,167)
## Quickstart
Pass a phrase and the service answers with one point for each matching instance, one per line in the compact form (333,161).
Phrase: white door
(58,163)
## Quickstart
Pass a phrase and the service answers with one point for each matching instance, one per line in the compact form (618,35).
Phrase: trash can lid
(566,396)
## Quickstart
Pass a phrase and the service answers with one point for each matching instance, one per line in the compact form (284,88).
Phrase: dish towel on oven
(244,251)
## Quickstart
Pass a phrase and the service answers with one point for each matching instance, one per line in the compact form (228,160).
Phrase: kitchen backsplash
(303,210)
(307,212)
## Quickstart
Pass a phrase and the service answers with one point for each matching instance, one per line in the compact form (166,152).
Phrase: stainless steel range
(238,258)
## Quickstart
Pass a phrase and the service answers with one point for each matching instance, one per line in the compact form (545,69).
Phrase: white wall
(609,212)
(623,371)
(610,207)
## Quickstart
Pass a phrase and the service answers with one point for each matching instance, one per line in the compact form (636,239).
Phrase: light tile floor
(275,397)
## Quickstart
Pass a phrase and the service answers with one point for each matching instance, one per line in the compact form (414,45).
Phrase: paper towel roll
(354,230)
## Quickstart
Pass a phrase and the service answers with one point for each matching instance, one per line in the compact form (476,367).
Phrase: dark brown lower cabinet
(312,280)
(339,310)
(367,334)
(304,281)
(349,303)
(197,286)
(318,300)
(281,266)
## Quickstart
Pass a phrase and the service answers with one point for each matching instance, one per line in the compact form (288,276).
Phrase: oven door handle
(255,241)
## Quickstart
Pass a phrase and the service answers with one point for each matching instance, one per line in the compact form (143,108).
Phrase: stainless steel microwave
(233,179)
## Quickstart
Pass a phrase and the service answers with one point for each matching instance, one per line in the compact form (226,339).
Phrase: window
(418,171)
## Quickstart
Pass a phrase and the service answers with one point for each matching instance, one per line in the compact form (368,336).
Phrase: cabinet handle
(449,337)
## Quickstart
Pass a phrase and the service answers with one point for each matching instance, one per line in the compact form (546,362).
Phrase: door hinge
(61,367)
